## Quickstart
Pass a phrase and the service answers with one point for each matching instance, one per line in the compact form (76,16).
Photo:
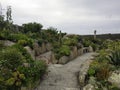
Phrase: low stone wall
(73,54)
(42,49)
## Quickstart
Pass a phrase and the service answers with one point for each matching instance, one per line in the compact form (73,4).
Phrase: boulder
(26,64)
(43,47)
(90,49)
(73,53)
(79,45)
(8,43)
(53,59)
(63,60)
(115,78)
(80,51)
(48,46)
(37,49)
(89,87)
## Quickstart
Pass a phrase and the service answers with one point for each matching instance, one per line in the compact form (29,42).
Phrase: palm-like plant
(114,57)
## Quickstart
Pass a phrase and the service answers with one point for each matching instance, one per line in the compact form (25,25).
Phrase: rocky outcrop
(115,78)
(63,60)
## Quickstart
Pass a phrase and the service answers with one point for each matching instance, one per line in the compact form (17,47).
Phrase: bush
(70,41)
(23,51)
(1,45)
(91,72)
(22,42)
(64,50)
(103,72)
(11,58)
(114,58)
(34,72)
(16,37)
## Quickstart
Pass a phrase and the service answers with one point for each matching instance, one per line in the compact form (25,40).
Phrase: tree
(8,14)
(9,18)
(32,27)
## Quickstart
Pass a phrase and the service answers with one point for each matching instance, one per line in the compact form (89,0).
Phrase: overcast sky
(71,16)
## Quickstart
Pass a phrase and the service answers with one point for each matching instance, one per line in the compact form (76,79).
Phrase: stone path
(64,77)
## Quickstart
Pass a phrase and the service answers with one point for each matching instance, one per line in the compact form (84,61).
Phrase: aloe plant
(114,57)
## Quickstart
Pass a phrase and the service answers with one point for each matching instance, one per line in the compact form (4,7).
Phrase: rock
(53,59)
(79,45)
(115,78)
(83,73)
(8,43)
(63,60)
(90,49)
(82,76)
(31,52)
(73,53)
(37,49)
(80,51)
(26,64)
(92,80)
(43,47)
(48,46)
(89,87)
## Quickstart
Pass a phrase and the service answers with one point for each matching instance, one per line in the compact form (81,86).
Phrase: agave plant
(114,57)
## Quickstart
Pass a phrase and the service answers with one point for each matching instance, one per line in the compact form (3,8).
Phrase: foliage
(114,57)
(23,51)
(10,58)
(32,27)
(1,45)
(91,72)
(64,50)
(5,34)
(103,72)
(22,42)
(70,42)
(16,80)
(34,72)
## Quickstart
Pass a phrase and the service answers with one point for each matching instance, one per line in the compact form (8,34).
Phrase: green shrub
(22,42)
(40,41)
(2,45)
(23,51)
(70,41)
(16,37)
(114,58)
(11,58)
(91,72)
(34,72)
(103,72)
(64,50)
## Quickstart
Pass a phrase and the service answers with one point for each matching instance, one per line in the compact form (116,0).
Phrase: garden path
(64,77)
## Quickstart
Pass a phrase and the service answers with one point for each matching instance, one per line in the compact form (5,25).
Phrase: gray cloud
(72,16)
